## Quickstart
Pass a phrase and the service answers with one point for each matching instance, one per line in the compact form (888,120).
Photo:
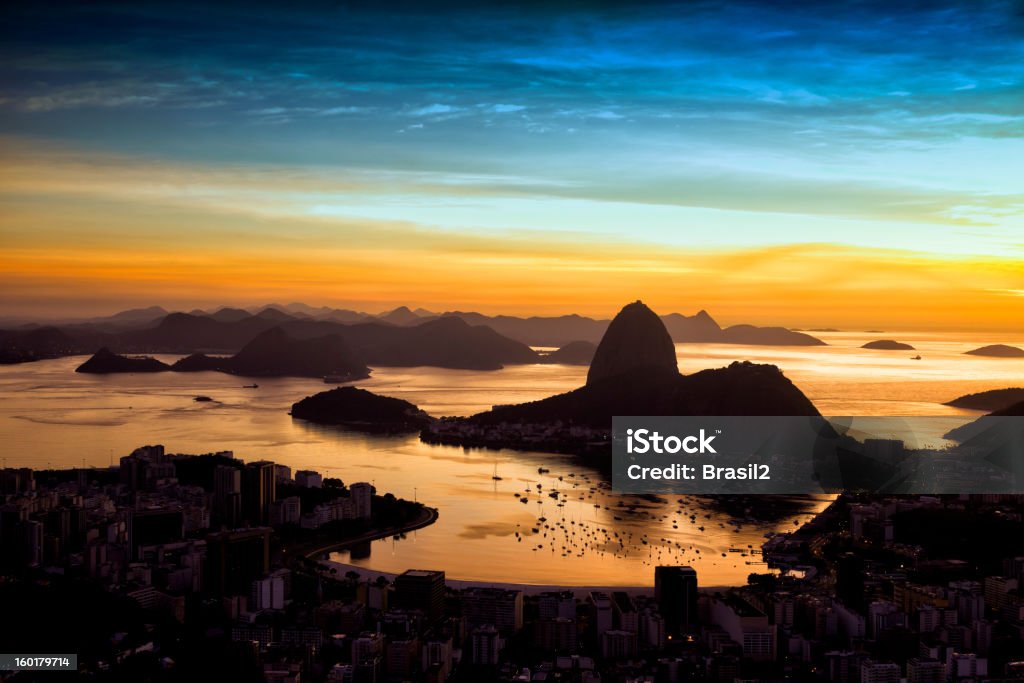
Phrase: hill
(573,353)
(275,354)
(106,361)
(995,399)
(888,345)
(997,351)
(360,409)
(989,428)
(633,373)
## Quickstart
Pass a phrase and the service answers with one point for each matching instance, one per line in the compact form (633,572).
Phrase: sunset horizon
(546,168)
(439,341)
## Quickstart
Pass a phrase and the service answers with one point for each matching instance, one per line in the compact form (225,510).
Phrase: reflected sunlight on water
(52,417)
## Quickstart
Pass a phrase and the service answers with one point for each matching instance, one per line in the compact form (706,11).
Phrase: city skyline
(769,164)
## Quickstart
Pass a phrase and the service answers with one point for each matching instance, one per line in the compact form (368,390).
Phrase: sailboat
(496,477)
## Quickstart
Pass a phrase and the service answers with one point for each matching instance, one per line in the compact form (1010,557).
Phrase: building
(626,617)
(675,589)
(618,644)
(259,490)
(234,559)
(557,605)
(601,616)
(367,647)
(285,511)
(402,660)
(879,672)
(361,495)
(495,606)
(420,589)
(486,646)
(437,654)
(555,635)
(925,671)
(746,625)
(964,665)
(309,479)
(227,495)
(266,594)
(153,527)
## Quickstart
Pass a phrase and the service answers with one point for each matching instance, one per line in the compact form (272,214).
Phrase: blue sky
(707,124)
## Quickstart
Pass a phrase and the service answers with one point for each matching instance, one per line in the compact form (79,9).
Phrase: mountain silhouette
(634,372)
(106,361)
(636,341)
(275,354)
(360,409)
(573,353)
(887,345)
(994,399)
(400,316)
(997,351)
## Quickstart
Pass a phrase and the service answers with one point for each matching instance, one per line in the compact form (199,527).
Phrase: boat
(496,477)
(542,470)
(916,358)
(202,399)
(250,386)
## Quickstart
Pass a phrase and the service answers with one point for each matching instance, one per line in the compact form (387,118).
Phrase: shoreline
(526,588)
(427,517)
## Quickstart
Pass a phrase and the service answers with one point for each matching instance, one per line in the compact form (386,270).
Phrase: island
(887,345)
(362,410)
(105,362)
(997,351)
(994,399)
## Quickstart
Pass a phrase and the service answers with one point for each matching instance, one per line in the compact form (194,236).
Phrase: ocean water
(52,417)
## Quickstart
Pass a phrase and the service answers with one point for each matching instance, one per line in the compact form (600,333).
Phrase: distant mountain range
(400,337)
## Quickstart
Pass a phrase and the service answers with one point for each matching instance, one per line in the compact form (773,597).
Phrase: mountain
(187,333)
(137,315)
(106,361)
(400,316)
(997,351)
(360,409)
(445,342)
(274,314)
(696,328)
(20,346)
(742,388)
(989,428)
(699,328)
(275,354)
(573,353)
(767,336)
(230,315)
(381,340)
(995,399)
(537,330)
(634,372)
(636,341)
(888,345)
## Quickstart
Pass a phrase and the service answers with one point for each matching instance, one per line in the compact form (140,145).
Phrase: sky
(800,164)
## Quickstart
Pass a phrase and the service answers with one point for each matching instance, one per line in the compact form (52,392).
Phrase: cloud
(504,108)
(434,110)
